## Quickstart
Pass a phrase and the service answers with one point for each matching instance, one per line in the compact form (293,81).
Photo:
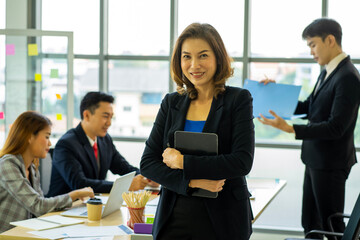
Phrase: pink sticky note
(1,115)
(10,49)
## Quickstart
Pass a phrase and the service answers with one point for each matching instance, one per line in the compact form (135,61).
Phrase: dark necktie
(321,80)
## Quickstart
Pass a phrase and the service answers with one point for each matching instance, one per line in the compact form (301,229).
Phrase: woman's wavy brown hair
(224,70)
(26,124)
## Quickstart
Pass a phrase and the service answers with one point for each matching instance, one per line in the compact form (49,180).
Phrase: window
(54,44)
(139,27)
(2,13)
(286,73)
(276,27)
(86,79)
(236,79)
(340,11)
(137,86)
(54,93)
(227,18)
(80,17)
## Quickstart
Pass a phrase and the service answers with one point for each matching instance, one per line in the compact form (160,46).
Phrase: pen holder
(136,215)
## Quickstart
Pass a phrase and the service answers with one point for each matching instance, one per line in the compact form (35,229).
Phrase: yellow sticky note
(32,49)
(58,96)
(37,77)
(58,116)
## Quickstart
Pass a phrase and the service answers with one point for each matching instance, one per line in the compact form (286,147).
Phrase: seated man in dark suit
(83,156)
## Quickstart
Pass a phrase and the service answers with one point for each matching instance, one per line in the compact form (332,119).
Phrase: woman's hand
(210,185)
(173,158)
(82,193)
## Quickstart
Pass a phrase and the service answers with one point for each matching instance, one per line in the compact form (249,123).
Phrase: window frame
(103,57)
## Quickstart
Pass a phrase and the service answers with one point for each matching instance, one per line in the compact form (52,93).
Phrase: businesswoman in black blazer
(200,67)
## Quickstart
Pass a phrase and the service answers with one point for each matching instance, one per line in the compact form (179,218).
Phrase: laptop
(197,143)
(114,201)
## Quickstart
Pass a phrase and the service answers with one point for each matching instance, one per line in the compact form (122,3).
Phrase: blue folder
(281,98)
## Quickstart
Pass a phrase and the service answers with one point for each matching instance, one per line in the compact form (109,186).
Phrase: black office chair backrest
(353,226)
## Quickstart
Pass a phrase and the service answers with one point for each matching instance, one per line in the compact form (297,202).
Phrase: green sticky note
(149,220)
(54,73)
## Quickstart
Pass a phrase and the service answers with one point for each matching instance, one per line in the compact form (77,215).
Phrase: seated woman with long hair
(21,196)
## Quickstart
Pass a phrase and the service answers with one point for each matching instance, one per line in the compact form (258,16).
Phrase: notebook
(194,143)
(114,201)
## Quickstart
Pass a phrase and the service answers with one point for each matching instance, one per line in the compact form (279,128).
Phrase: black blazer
(328,138)
(231,118)
(74,165)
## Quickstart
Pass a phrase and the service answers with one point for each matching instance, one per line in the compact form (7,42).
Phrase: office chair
(45,171)
(352,229)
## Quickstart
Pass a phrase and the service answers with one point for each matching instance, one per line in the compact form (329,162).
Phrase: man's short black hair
(323,27)
(91,101)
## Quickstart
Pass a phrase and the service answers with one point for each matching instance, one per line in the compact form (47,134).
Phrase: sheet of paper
(281,98)
(43,223)
(62,220)
(35,224)
(82,230)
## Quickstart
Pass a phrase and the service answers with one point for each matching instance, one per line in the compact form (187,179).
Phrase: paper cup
(94,209)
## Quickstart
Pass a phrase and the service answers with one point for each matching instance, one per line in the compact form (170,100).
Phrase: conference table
(263,191)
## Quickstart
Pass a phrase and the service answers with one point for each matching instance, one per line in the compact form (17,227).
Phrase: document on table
(84,231)
(43,223)
(280,98)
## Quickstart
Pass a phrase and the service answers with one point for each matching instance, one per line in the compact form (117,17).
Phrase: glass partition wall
(31,81)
